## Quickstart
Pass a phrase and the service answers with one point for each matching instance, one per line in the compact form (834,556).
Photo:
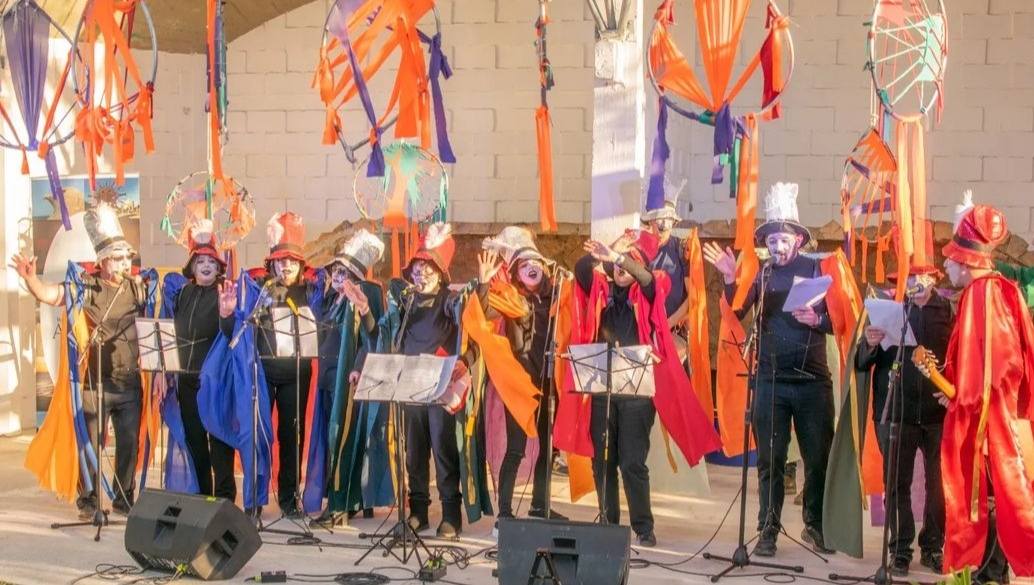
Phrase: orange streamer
(543,134)
(699,337)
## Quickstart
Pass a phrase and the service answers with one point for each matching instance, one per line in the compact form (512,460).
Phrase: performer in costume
(523,301)
(988,369)
(930,318)
(793,379)
(111,298)
(355,480)
(671,258)
(201,302)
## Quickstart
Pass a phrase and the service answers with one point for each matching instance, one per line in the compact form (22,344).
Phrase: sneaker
(899,566)
(448,530)
(812,536)
(933,560)
(766,546)
(541,513)
(418,523)
(648,540)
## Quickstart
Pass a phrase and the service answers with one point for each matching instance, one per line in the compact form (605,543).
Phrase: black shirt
(428,322)
(932,325)
(281,366)
(196,315)
(111,311)
(618,323)
(788,349)
(527,334)
(672,259)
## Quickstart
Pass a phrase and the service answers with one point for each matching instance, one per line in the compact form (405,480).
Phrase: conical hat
(105,231)
(514,243)
(781,213)
(360,252)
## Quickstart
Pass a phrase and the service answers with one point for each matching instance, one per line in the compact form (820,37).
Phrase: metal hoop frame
(433,157)
(884,99)
(242,194)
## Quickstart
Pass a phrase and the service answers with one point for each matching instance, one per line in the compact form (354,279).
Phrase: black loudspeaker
(207,537)
(593,554)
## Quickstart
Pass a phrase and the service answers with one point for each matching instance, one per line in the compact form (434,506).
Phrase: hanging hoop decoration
(368,32)
(114,98)
(414,189)
(197,196)
(867,189)
(26,30)
(908,52)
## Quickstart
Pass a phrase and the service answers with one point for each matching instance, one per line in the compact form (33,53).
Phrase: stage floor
(30,552)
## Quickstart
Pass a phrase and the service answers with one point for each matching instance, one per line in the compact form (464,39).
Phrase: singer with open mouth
(111,299)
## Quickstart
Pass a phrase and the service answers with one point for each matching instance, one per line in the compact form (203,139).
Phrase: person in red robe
(990,361)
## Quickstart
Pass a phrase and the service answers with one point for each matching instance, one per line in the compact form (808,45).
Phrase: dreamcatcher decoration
(114,97)
(27,30)
(413,189)
(544,123)
(719,26)
(885,177)
(368,32)
(212,194)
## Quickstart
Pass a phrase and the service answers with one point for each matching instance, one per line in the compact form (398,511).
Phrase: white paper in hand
(806,292)
(889,316)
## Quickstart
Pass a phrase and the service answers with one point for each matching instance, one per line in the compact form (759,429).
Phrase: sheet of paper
(379,378)
(424,377)
(156,339)
(631,369)
(890,317)
(806,292)
(286,326)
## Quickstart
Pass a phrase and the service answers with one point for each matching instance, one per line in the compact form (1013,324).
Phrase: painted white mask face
(117,266)
(531,273)
(288,269)
(425,276)
(783,247)
(206,270)
(956,272)
(662,228)
(925,284)
(339,275)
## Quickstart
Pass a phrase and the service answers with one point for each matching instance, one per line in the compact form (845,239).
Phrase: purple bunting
(439,67)
(661,152)
(724,138)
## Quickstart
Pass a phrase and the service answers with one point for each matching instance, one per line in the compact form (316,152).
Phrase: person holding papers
(920,417)
(793,380)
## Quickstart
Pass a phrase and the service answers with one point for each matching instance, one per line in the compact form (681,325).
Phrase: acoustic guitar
(926,362)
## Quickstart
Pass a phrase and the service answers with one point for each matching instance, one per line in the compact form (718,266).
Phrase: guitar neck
(942,383)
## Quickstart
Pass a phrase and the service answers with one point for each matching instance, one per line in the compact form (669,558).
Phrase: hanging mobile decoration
(867,190)
(368,32)
(413,189)
(114,99)
(544,123)
(719,26)
(27,29)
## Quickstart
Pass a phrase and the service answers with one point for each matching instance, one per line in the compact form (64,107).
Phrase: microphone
(918,289)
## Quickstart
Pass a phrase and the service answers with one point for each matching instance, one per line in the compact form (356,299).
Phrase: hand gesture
(624,243)
(488,265)
(25,266)
(227,298)
(942,399)
(724,261)
(357,297)
(874,335)
(600,251)
(806,316)
(353,378)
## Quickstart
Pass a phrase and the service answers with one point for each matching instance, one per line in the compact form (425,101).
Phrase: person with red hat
(989,372)
(200,301)
(622,303)
(919,419)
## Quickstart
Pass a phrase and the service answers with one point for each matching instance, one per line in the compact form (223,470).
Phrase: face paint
(116,267)
(205,269)
(339,275)
(783,247)
(662,228)
(530,273)
(425,276)
(956,272)
(287,269)
(622,278)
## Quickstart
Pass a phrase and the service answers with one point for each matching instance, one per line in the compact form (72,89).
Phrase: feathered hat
(514,244)
(201,241)
(437,247)
(285,235)
(359,253)
(781,214)
(105,231)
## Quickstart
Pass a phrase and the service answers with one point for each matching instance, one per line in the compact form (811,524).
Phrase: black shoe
(933,560)
(541,513)
(418,523)
(253,512)
(899,566)
(449,530)
(87,512)
(328,519)
(812,536)
(648,540)
(766,546)
(121,507)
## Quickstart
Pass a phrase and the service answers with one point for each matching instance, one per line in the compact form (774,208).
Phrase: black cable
(116,572)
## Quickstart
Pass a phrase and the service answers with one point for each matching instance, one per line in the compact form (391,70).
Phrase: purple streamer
(56,189)
(439,67)
(724,138)
(661,152)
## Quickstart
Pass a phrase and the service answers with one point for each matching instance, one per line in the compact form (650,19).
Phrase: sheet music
(379,376)
(286,325)
(155,338)
(631,369)
(806,292)
(418,379)
(890,317)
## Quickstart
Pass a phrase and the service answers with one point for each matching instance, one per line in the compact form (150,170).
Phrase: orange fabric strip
(543,135)
(697,323)
(746,211)
(731,383)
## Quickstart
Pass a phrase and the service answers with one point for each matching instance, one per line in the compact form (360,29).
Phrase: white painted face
(425,276)
(287,270)
(926,281)
(531,272)
(957,273)
(662,229)
(622,277)
(205,269)
(339,275)
(783,246)
(116,266)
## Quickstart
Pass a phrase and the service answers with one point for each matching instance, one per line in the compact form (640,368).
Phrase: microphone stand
(548,385)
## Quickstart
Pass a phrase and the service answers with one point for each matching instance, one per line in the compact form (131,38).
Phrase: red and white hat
(285,235)
(437,247)
(201,241)
(980,231)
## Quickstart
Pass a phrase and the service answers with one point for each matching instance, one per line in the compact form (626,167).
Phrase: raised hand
(600,251)
(724,261)
(25,266)
(488,265)
(227,298)
(357,297)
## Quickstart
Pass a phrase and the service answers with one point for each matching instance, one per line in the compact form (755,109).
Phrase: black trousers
(290,395)
(516,442)
(213,459)
(994,567)
(901,520)
(630,422)
(431,430)
(122,408)
(809,407)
